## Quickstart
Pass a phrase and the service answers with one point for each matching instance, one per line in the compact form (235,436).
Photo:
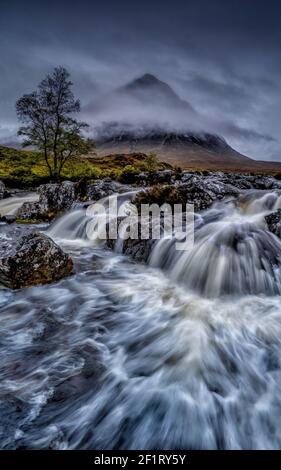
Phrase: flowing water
(183,353)
(10,205)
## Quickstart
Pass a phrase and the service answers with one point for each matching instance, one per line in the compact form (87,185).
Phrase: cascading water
(124,356)
(10,205)
(82,224)
(233,252)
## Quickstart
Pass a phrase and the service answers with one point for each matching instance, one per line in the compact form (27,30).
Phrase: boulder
(158,177)
(53,199)
(33,259)
(213,187)
(104,188)
(242,182)
(273,221)
(137,249)
(32,211)
(9,218)
(265,182)
(195,193)
(238,180)
(161,176)
(197,190)
(2,190)
(56,197)
(171,194)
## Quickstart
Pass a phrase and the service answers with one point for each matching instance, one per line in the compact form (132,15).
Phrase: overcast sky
(222,56)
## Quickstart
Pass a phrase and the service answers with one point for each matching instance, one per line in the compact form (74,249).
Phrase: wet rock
(186,176)
(104,188)
(33,259)
(139,249)
(201,191)
(197,191)
(56,197)
(238,180)
(53,199)
(210,189)
(194,193)
(31,211)
(274,222)
(163,176)
(158,177)
(265,182)
(9,219)
(2,190)
(184,187)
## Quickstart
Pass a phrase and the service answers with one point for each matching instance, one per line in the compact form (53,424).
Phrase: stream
(182,353)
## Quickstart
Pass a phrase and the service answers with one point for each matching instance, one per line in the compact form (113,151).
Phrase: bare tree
(48,121)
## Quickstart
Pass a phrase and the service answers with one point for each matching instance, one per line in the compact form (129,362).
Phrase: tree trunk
(56,177)
(48,164)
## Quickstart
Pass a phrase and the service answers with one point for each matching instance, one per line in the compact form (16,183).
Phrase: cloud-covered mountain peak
(149,89)
(146,80)
(146,102)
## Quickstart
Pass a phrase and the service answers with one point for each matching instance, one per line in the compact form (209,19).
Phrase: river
(182,353)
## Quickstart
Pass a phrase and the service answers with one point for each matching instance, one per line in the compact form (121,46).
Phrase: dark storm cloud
(221,56)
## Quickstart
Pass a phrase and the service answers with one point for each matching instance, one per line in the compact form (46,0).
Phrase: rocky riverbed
(182,352)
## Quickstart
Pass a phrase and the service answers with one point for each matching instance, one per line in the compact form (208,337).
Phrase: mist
(156,108)
(222,59)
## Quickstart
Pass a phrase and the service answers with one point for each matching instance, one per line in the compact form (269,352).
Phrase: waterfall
(10,205)
(80,226)
(233,252)
(182,353)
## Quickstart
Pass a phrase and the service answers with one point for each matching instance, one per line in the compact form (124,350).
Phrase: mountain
(143,101)
(150,90)
(146,115)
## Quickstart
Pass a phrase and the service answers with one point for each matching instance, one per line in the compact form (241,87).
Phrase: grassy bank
(24,168)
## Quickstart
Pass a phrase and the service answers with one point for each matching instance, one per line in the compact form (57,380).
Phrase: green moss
(28,221)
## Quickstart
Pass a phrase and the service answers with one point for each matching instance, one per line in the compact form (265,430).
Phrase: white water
(10,205)
(82,225)
(126,356)
(233,252)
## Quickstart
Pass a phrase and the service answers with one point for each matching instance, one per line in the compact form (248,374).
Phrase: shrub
(25,168)
(129,175)
(160,194)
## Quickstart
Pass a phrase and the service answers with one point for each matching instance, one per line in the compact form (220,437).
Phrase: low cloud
(220,57)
